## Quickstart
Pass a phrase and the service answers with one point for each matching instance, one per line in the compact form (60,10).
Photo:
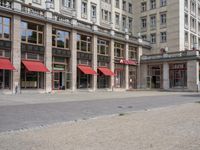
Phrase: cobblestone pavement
(33,110)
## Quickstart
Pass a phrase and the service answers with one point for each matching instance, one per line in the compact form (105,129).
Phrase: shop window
(60,39)
(32,33)
(4,28)
(119,50)
(132,52)
(84,43)
(103,47)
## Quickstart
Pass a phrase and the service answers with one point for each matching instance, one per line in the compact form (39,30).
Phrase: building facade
(71,45)
(172,27)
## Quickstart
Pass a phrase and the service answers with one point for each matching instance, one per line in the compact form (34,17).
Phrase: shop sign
(59,67)
(127,62)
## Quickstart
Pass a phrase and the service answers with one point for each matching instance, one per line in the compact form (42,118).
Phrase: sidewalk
(34,98)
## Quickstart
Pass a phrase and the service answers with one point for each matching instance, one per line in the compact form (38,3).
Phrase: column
(193,75)
(126,67)
(48,57)
(139,54)
(143,75)
(16,53)
(112,63)
(165,76)
(94,61)
(73,47)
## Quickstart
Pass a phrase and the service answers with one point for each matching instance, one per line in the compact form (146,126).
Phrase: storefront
(61,53)
(103,59)
(132,77)
(85,72)
(155,76)
(178,75)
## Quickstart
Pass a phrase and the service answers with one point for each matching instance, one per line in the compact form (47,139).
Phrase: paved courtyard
(34,110)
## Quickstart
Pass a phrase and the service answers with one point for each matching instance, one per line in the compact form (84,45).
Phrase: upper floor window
(163,18)
(163,37)
(117,3)
(124,5)
(119,50)
(130,24)
(152,4)
(68,3)
(117,20)
(144,6)
(32,33)
(186,3)
(93,12)
(132,52)
(106,15)
(193,6)
(36,1)
(130,8)
(107,1)
(84,8)
(124,22)
(4,28)
(103,47)
(143,22)
(84,43)
(153,38)
(163,3)
(153,21)
(60,38)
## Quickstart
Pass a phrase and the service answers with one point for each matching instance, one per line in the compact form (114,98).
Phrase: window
(60,39)
(186,20)
(103,47)
(186,37)
(153,21)
(117,19)
(68,3)
(186,3)
(153,38)
(124,22)
(132,52)
(143,6)
(32,33)
(163,37)
(144,37)
(124,5)
(4,28)
(107,1)
(84,43)
(37,1)
(152,4)
(163,19)
(106,15)
(193,24)
(117,3)
(119,50)
(84,9)
(163,3)
(193,6)
(130,24)
(130,8)
(193,41)
(93,12)
(144,23)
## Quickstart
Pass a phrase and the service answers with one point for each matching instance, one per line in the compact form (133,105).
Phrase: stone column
(16,53)
(192,75)
(48,57)
(165,76)
(73,47)
(143,76)
(126,67)
(94,61)
(139,54)
(112,63)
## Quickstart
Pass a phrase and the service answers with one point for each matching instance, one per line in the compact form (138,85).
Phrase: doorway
(59,80)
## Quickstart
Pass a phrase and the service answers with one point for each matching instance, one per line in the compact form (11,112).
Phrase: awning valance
(86,69)
(5,64)
(35,66)
(106,71)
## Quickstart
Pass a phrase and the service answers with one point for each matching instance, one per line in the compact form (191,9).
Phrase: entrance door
(1,79)
(58,81)
(119,78)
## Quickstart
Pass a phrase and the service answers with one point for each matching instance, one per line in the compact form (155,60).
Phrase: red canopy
(86,69)
(35,66)
(106,71)
(5,64)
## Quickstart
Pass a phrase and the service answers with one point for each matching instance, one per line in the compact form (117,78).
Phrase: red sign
(128,62)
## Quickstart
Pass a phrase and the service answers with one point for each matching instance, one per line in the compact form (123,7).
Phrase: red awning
(35,66)
(5,64)
(106,71)
(86,69)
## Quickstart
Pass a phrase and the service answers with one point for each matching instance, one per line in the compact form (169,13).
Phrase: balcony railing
(172,55)
(6,3)
(32,11)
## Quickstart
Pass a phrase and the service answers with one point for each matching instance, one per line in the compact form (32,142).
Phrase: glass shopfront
(61,74)
(155,75)
(5,78)
(178,75)
(132,77)
(119,76)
